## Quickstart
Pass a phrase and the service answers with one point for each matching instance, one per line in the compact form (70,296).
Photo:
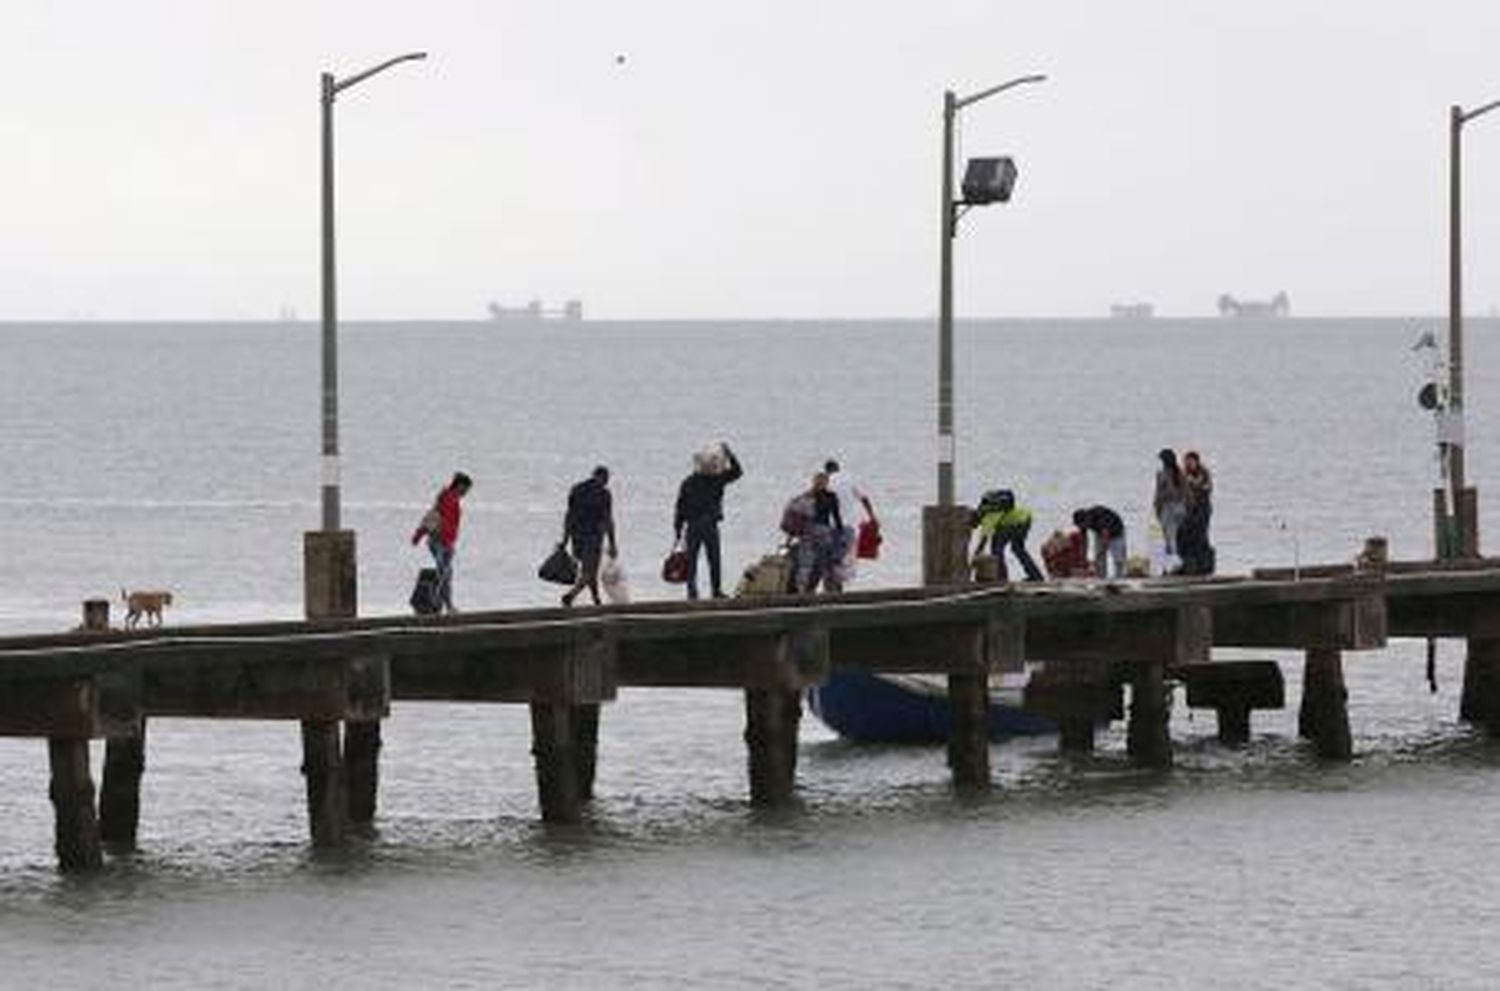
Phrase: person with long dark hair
(1193,544)
(1170,501)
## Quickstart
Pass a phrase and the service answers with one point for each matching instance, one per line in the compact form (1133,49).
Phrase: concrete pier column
(76,830)
(772,716)
(1324,715)
(1147,738)
(554,748)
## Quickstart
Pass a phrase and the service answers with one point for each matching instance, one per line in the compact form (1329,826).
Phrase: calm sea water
(185,457)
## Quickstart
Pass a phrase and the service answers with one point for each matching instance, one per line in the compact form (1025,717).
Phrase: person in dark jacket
(700,507)
(590,520)
(1108,532)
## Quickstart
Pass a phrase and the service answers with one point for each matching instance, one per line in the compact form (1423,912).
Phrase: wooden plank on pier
(789,660)
(580,669)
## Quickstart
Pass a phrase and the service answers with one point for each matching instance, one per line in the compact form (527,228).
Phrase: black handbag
(559,568)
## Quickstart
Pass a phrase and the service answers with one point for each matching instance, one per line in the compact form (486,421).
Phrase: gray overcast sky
(777,158)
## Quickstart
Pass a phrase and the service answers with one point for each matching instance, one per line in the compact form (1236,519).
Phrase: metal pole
(330,324)
(945,314)
(1455,327)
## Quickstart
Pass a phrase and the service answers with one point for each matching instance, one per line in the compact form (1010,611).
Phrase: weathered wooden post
(1324,714)
(1147,738)
(945,561)
(120,790)
(586,746)
(124,763)
(771,719)
(554,746)
(330,591)
(1481,694)
(76,832)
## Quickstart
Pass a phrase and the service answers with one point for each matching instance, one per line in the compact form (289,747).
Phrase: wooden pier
(1086,642)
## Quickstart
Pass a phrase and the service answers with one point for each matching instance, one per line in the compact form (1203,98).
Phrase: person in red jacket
(440,526)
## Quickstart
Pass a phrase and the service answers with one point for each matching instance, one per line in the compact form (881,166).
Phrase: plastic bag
(867,544)
(559,568)
(612,580)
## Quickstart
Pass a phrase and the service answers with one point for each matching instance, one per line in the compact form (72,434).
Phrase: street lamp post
(945,526)
(330,88)
(341,772)
(1459,538)
(952,104)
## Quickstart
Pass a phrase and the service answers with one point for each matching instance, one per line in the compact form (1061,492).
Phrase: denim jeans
(1014,537)
(442,558)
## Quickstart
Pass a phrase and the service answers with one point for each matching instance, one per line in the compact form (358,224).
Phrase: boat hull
(870,708)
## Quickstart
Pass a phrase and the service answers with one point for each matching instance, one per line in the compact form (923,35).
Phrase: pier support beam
(76,833)
(771,719)
(120,790)
(1147,738)
(1324,715)
(1075,736)
(1480,703)
(362,767)
(323,767)
(586,744)
(330,590)
(945,561)
(554,746)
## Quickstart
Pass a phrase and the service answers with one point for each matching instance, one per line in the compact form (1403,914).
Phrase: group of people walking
(1182,504)
(818,538)
(819,524)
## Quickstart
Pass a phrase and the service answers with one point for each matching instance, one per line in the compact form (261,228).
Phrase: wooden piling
(945,561)
(555,750)
(362,768)
(330,590)
(771,718)
(1481,694)
(1075,736)
(1324,715)
(120,790)
(327,794)
(586,747)
(76,831)
(1147,738)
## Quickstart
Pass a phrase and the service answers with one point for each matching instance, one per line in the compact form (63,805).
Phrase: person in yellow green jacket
(1002,523)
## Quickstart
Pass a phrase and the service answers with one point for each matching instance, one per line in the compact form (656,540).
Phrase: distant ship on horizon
(1279,305)
(571,311)
(1132,311)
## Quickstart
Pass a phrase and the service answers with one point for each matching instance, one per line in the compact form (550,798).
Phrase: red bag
(674,569)
(867,543)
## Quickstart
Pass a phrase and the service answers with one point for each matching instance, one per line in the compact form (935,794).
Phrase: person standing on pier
(1170,501)
(1002,523)
(851,499)
(440,527)
(700,507)
(1193,545)
(590,519)
(1108,532)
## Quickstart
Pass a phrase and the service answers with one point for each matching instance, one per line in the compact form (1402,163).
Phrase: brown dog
(148,604)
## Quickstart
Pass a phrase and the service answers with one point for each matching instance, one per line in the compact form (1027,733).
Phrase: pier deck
(1083,641)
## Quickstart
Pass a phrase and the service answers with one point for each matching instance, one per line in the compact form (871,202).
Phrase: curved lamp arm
(360,77)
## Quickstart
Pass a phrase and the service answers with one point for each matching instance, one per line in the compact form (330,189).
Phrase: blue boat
(877,708)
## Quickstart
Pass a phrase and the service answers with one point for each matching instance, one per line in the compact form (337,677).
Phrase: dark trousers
(704,534)
(1193,545)
(1014,537)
